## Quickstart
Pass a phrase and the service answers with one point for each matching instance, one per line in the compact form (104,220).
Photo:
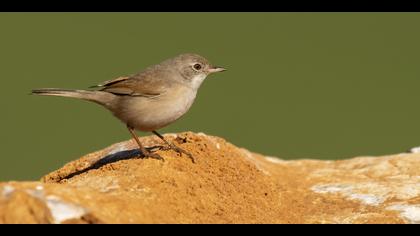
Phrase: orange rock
(227,184)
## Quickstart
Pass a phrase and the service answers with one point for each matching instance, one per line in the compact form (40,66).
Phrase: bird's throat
(197,80)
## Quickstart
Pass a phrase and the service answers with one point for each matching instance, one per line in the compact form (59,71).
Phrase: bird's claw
(180,151)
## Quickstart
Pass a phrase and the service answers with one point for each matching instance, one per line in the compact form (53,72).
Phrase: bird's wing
(112,81)
(143,84)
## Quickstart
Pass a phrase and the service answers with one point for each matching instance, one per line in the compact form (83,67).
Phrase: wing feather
(147,84)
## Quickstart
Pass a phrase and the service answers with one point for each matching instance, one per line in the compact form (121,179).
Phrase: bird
(151,99)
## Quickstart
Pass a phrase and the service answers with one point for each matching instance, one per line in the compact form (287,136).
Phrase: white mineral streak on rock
(117,148)
(62,211)
(411,213)
(354,192)
(59,209)
(275,160)
(7,190)
(415,150)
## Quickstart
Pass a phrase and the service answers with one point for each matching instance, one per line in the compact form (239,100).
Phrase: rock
(227,184)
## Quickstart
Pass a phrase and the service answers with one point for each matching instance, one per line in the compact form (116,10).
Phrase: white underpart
(197,81)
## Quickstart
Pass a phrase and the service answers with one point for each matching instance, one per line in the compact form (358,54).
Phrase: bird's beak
(215,69)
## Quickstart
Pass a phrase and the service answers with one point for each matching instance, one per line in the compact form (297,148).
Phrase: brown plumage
(151,99)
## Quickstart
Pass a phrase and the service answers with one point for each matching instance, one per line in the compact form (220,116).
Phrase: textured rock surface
(226,185)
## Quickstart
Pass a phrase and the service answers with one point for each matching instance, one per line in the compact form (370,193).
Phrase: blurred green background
(298,85)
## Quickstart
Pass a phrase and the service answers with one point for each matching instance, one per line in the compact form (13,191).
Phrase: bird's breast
(175,103)
(148,114)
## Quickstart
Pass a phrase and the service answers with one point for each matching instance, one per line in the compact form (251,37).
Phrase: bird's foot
(178,150)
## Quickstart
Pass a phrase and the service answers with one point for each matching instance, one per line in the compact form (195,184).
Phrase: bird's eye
(197,66)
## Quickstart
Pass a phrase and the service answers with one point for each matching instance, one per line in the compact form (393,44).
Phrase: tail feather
(100,97)
(82,94)
(52,91)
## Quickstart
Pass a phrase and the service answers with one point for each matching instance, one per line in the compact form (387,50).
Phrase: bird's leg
(174,147)
(145,152)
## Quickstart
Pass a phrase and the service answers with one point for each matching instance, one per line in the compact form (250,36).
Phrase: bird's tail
(99,97)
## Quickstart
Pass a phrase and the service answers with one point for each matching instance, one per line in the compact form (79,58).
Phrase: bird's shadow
(111,158)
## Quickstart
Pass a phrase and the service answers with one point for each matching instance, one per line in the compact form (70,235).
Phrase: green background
(298,85)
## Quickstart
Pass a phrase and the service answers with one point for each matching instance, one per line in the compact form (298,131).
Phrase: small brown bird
(151,99)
